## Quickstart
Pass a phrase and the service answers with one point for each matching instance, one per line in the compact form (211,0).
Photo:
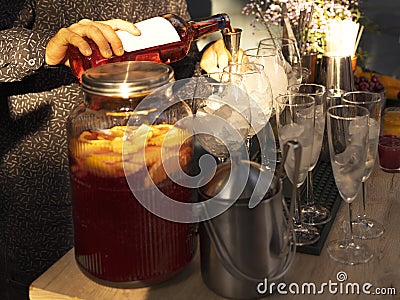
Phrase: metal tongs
(294,212)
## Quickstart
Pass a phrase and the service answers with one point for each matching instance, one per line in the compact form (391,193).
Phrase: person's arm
(32,43)
(21,53)
(21,48)
(9,12)
(101,32)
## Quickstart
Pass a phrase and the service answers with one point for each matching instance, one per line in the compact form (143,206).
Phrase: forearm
(21,53)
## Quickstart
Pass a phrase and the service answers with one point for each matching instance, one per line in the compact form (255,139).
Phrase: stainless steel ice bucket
(242,247)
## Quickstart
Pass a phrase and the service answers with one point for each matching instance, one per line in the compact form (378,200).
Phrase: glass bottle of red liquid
(163,39)
(118,242)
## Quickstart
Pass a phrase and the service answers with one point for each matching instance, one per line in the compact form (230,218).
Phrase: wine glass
(348,141)
(364,227)
(256,83)
(314,214)
(295,114)
(221,115)
(291,55)
(273,64)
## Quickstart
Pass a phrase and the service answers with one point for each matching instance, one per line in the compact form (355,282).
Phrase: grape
(379,87)
(362,83)
(374,78)
(372,85)
(363,79)
(364,86)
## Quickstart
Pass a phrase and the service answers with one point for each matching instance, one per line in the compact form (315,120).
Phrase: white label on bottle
(154,32)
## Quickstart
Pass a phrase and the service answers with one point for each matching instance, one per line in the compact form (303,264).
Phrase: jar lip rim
(124,79)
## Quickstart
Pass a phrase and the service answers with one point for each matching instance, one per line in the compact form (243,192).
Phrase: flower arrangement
(270,12)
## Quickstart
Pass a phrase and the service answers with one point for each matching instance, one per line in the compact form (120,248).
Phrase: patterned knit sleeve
(21,53)
(184,10)
(21,49)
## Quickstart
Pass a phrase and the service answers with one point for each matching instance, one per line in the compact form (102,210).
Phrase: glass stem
(297,210)
(310,190)
(364,196)
(351,237)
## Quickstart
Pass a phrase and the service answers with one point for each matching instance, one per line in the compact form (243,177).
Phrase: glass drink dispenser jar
(118,242)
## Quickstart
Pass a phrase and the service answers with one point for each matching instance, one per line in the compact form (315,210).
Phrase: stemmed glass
(314,214)
(364,227)
(333,98)
(272,60)
(291,54)
(222,114)
(256,83)
(348,141)
(295,114)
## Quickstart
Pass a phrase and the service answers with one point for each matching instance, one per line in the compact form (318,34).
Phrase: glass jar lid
(126,79)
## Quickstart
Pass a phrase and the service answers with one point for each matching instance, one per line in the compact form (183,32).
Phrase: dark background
(383,45)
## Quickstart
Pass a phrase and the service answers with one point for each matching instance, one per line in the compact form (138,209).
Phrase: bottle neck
(205,26)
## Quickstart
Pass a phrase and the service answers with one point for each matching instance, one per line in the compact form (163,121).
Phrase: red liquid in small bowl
(389,153)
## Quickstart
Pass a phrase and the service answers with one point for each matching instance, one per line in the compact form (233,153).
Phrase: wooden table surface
(65,281)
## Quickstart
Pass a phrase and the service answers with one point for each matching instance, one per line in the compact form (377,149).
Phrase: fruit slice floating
(105,153)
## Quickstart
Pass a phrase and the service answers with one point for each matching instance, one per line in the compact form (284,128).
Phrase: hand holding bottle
(165,39)
(101,32)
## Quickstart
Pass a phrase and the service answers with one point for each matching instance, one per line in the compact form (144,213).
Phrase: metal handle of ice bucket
(290,248)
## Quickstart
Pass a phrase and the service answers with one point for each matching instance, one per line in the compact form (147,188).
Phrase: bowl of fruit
(389,86)
(371,84)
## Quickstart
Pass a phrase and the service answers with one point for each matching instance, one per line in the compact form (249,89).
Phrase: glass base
(390,170)
(366,228)
(315,214)
(348,252)
(306,235)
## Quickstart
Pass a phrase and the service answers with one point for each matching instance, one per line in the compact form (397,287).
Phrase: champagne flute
(295,115)
(256,83)
(314,214)
(291,55)
(363,226)
(222,114)
(333,98)
(348,141)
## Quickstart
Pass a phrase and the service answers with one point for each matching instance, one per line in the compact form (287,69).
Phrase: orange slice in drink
(105,164)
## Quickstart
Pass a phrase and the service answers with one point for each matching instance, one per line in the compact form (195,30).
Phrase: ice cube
(351,158)
(290,132)
(358,131)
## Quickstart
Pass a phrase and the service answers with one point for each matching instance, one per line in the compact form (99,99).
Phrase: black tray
(327,194)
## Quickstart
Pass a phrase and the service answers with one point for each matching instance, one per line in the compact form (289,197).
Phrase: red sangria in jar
(118,242)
